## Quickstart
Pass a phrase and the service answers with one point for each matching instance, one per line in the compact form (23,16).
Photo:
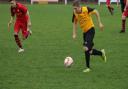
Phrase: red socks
(18,41)
(123,25)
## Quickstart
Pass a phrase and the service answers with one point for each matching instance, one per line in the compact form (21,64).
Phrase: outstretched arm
(98,18)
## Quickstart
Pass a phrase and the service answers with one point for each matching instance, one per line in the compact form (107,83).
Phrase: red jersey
(20,11)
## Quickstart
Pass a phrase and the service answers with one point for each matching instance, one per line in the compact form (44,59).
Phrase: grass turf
(41,65)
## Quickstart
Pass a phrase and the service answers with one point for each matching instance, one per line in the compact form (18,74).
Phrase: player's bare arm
(29,23)
(74,27)
(101,26)
(126,6)
(10,22)
(74,30)
(29,20)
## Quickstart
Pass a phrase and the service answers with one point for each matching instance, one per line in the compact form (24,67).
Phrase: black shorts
(88,38)
(122,5)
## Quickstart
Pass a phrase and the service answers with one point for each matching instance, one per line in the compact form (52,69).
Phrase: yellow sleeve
(92,12)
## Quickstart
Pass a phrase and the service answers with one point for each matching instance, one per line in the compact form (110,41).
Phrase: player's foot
(103,55)
(122,31)
(112,11)
(20,50)
(86,70)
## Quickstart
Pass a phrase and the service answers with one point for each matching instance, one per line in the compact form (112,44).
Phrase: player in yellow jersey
(82,14)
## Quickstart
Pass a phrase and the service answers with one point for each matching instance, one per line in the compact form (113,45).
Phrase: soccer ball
(68,61)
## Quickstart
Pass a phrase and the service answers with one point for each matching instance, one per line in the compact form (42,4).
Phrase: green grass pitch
(41,65)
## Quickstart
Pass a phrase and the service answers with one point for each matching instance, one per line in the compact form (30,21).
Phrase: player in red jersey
(110,8)
(124,14)
(22,22)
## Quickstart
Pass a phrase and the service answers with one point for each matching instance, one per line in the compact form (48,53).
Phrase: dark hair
(76,3)
(11,0)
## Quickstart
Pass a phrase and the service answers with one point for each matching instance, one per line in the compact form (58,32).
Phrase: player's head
(76,6)
(13,3)
(76,3)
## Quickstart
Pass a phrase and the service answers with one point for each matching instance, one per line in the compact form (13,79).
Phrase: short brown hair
(76,3)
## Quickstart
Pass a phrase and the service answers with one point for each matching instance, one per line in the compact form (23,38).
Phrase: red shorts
(125,13)
(21,24)
(108,2)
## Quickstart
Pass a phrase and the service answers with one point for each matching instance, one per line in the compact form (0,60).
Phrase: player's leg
(87,55)
(117,2)
(25,34)
(110,8)
(17,40)
(91,44)
(108,2)
(25,31)
(124,15)
(87,58)
(96,52)
(99,53)
(122,5)
(123,23)
(103,55)
(88,44)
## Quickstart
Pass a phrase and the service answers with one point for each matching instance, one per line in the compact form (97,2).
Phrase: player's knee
(123,17)
(90,51)
(15,33)
(85,48)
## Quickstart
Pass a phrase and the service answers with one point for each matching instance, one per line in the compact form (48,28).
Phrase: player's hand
(29,26)
(101,26)
(125,8)
(9,24)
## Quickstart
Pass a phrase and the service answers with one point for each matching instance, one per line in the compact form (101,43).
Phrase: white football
(68,62)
